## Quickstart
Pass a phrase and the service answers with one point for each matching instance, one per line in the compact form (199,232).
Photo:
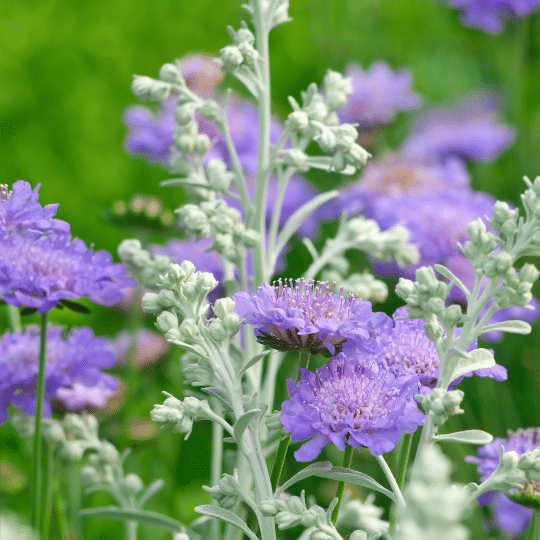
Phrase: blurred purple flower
(20,212)
(489,15)
(201,73)
(510,517)
(40,273)
(76,358)
(353,402)
(378,94)
(308,316)
(148,347)
(470,130)
(80,396)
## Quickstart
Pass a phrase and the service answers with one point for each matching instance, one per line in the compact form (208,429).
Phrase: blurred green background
(65,74)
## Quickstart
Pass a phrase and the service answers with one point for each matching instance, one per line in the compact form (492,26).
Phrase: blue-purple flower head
(510,517)
(489,15)
(41,273)
(309,316)
(20,212)
(75,358)
(471,130)
(350,401)
(378,94)
(406,351)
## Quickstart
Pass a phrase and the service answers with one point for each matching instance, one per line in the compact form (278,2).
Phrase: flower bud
(73,451)
(231,58)
(133,484)
(148,89)
(89,475)
(217,331)
(223,307)
(169,73)
(244,35)
(108,452)
(211,110)
(529,273)
(298,120)
(184,114)
(295,505)
(202,144)
(268,507)
(189,330)
(404,288)
(250,54)
(166,321)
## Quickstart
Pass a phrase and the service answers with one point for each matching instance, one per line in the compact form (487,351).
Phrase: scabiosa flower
(488,15)
(350,401)
(405,350)
(148,347)
(21,212)
(470,130)
(40,273)
(77,357)
(510,517)
(79,396)
(378,94)
(308,316)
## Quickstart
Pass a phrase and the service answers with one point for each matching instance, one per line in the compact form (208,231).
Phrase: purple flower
(308,316)
(378,94)
(405,350)
(379,192)
(148,347)
(350,401)
(510,517)
(80,396)
(77,357)
(488,15)
(40,273)
(470,130)
(201,73)
(20,212)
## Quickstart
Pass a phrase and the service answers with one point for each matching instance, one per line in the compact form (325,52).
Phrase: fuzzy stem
(391,480)
(40,391)
(14,318)
(131,530)
(303,362)
(217,459)
(49,491)
(402,471)
(533,532)
(347,458)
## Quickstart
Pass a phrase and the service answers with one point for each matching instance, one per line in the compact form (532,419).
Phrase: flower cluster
(308,316)
(72,370)
(350,401)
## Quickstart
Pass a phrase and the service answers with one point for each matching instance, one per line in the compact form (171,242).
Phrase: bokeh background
(65,74)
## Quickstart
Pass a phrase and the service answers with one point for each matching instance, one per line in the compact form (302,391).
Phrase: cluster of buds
(227,492)
(363,515)
(516,286)
(241,53)
(216,219)
(435,507)
(145,268)
(293,512)
(361,285)
(180,414)
(425,298)
(440,404)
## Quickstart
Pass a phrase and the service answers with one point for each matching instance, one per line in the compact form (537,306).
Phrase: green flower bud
(166,321)
(202,144)
(150,303)
(169,73)
(133,484)
(73,451)
(250,54)
(54,434)
(244,35)
(529,273)
(298,120)
(295,504)
(148,89)
(231,58)
(184,113)
(223,307)
(217,331)
(404,288)
(268,507)
(108,453)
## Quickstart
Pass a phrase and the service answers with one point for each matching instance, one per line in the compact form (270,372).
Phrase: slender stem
(391,480)
(14,318)
(217,459)
(534,528)
(40,391)
(347,458)
(402,471)
(131,530)
(303,362)
(49,491)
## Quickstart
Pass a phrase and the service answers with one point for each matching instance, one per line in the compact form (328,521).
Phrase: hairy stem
(347,458)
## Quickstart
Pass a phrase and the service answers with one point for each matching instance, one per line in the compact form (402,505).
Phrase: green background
(65,74)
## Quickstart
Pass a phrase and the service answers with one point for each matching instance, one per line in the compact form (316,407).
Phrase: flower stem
(534,528)
(402,471)
(391,480)
(347,458)
(303,362)
(217,458)
(14,318)
(49,489)
(40,391)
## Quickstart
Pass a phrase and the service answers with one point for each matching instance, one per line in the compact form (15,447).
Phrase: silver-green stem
(14,318)
(391,480)
(217,460)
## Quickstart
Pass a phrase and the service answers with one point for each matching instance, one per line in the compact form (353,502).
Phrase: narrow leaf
(513,327)
(298,217)
(227,516)
(153,488)
(243,423)
(210,390)
(132,514)
(75,306)
(477,359)
(252,362)
(471,436)
(325,163)
(341,474)
(310,470)
(452,277)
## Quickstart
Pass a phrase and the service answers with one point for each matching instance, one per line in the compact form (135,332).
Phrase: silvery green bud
(357,155)
(91,423)
(250,54)
(295,158)
(218,176)
(285,520)
(435,305)
(166,321)
(189,330)
(338,161)
(133,484)
(309,518)
(206,282)
(89,476)
(502,212)
(426,276)
(108,452)
(432,329)
(202,144)
(223,307)
(326,140)
(53,433)
(73,451)
(211,110)
(336,100)
(184,113)
(452,314)
(295,504)
(74,424)
(231,322)
(194,406)
(244,35)
(217,331)
(169,73)
(529,273)
(509,460)
(404,288)
(346,135)
(503,261)
(148,89)
(268,507)
(189,290)
(476,231)
(231,58)
(509,227)
(250,238)
(526,460)
(298,120)
(150,303)
(166,298)
(336,82)
(358,535)
(185,143)
(273,421)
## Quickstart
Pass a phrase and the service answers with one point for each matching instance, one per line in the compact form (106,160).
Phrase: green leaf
(310,470)
(243,423)
(325,163)
(153,488)
(211,391)
(452,277)
(252,362)
(477,359)
(132,514)
(471,436)
(513,327)
(227,516)
(341,474)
